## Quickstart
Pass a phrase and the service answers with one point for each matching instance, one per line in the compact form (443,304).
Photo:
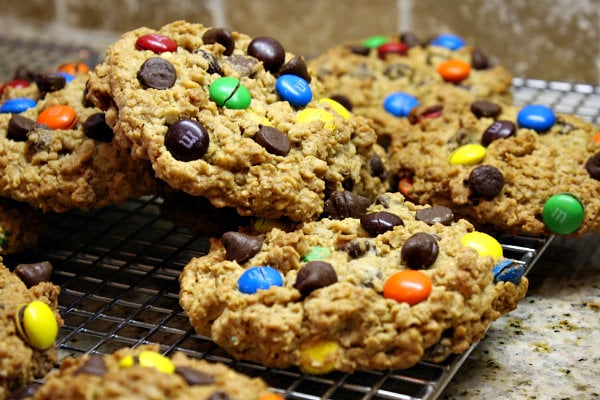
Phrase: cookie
(57,153)
(383,77)
(394,284)
(518,170)
(235,119)
(20,226)
(29,323)
(143,373)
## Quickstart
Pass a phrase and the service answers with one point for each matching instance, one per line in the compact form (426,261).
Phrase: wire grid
(118,268)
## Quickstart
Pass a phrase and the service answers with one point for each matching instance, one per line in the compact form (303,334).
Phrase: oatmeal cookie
(377,286)
(518,170)
(20,226)
(235,119)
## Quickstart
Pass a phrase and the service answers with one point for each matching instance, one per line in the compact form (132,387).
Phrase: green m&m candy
(563,213)
(317,253)
(375,41)
(228,92)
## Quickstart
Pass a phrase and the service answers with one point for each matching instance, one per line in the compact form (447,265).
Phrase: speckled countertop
(549,347)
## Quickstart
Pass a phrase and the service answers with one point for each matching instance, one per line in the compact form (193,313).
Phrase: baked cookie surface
(381,290)
(235,119)
(383,77)
(143,373)
(58,153)
(518,170)
(29,323)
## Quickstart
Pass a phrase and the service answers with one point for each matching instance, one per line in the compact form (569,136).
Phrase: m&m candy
(484,244)
(58,117)
(17,105)
(408,286)
(259,278)
(449,41)
(563,213)
(537,117)
(400,104)
(294,90)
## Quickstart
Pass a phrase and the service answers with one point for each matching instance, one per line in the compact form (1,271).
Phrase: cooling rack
(118,269)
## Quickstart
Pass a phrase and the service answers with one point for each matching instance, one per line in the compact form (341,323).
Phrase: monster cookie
(143,373)
(378,286)
(235,119)
(20,226)
(519,170)
(383,77)
(29,323)
(57,153)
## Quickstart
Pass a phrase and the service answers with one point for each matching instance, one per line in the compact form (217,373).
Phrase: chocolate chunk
(498,130)
(240,246)
(435,215)
(24,392)
(419,251)
(345,204)
(273,140)
(479,60)
(19,127)
(314,275)
(486,180)
(157,73)
(296,66)
(380,222)
(243,65)
(592,166)
(269,51)
(356,248)
(94,365)
(359,49)
(187,140)
(485,109)
(193,377)
(343,100)
(222,36)
(213,63)
(219,396)
(50,82)
(32,274)
(377,167)
(410,39)
(95,127)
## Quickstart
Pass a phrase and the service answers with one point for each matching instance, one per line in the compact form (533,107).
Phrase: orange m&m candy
(454,71)
(73,68)
(597,137)
(271,396)
(58,117)
(408,286)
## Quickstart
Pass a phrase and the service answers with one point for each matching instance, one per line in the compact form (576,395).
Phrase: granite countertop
(548,348)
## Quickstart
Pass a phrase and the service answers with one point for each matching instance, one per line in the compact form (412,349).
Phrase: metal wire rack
(118,268)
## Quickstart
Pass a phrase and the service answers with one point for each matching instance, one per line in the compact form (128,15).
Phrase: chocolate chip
(50,82)
(95,127)
(435,215)
(213,64)
(359,49)
(343,100)
(486,180)
(410,39)
(243,65)
(94,365)
(193,377)
(18,127)
(419,251)
(498,130)
(157,73)
(356,248)
(479,60)
(397,71)
(314,275)
(377,167)
(222,36)
(269,51)
(380,222)
(273,140)
(240,246)
(345,204)
(296,66)
(34,273)
(592,166)
(219,396)
(24,392)
(485,109)
(187,140)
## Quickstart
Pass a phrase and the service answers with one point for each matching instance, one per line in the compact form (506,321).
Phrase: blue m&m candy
(17,105)
(449,41)
(400,104)
(294,90)
(508,271)
(259,278)
(537,117)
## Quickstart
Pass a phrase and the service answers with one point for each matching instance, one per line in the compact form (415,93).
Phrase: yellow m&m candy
(484,244)
(468,154)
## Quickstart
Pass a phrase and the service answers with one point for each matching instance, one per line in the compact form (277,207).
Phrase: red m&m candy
(156,42)
(391,48)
